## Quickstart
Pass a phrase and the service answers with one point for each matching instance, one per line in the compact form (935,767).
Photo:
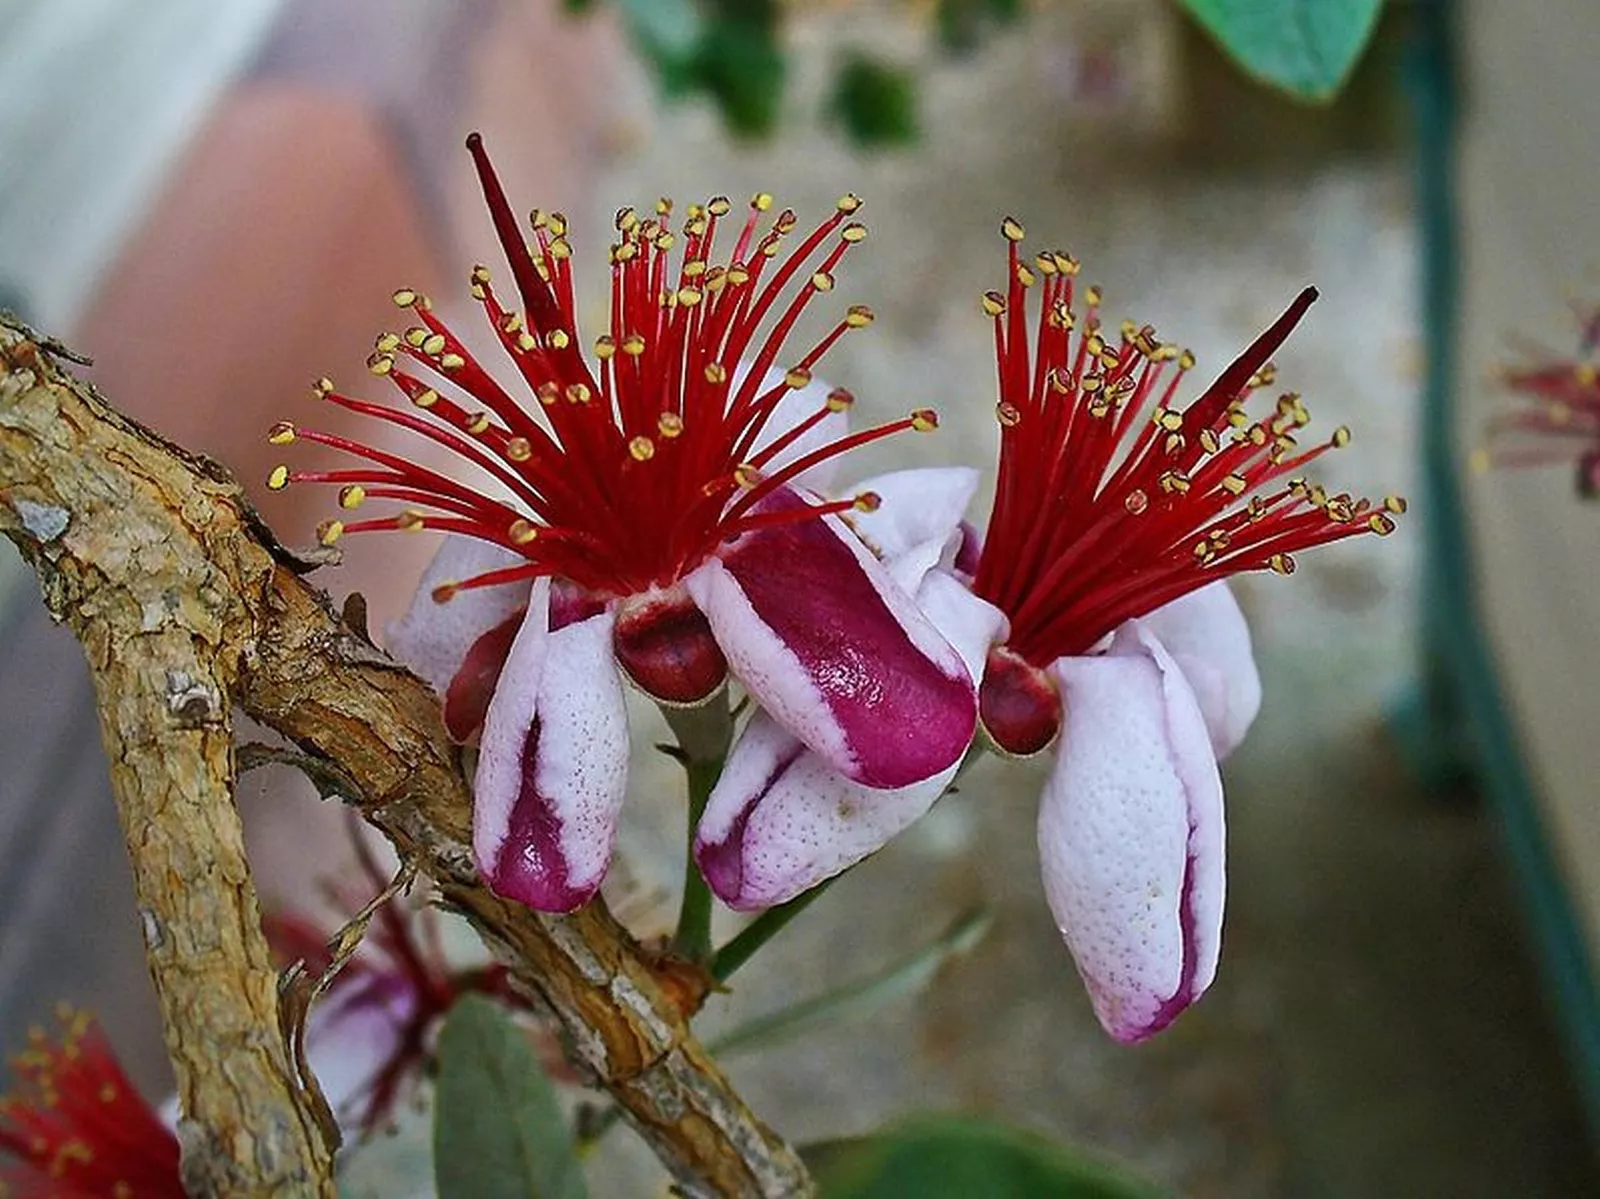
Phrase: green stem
(703,735)
(761,930)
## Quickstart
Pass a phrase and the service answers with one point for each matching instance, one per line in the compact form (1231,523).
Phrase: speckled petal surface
(1206,634)
(553,763)
(1131,835)
(816,629)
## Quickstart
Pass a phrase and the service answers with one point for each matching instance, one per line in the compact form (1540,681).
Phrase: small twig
(143,548)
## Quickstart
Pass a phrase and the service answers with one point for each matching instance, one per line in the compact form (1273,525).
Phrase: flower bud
(1018,706)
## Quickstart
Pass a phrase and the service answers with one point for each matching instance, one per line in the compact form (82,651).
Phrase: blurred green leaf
(498,1130)
(952,1157)
(666,28)
(740,63)
(874,102)
(962,24)
(1305,47)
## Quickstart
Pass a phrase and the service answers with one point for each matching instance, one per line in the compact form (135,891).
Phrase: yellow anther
(1136,501)
(1235,484)
(641,449)
(548,393)
(329,531)
(626,252)
(796,377)
(849,203)
(1007,414)
(626,219)
(994,304)
(716,374)
(445,592)
(415,336)
(558,224)
(761,201)
(1046,263)
(1380,524)
(478,423)
(738,276)
(518,449)
(278,479)
(1281,564)
(410,521)
(694,268)
(853,232)
(924,420)
(1092,296)
(669,425)
(1209,442)
(480,273)
(559,339)
(1065,263)
(380,364)
(1341,437)
(719,205)
(1186,360)
(822,281)
(1174,443)
(1025,275)
(1168,419)
(840,400)
(1174,482)
(404,297)
(1011,229)
(351,497)
(1585,374)
(433,344)
(663,241)
(522,532)
(859,316)
(387,343)
(633,345)
(426,398)
(537,218)
(322,388)
(281,433)
(451,362)
(746,476)
(689,296)
(868,501)
(578,393)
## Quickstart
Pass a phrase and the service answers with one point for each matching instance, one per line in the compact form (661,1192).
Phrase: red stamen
(624,477)
(1110,502)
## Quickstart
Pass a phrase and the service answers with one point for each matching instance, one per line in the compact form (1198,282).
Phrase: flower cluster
(1554,419)
(661,518)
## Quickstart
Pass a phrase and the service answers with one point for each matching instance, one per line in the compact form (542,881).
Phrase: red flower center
(628,471)
(1110,501)
(76,1126)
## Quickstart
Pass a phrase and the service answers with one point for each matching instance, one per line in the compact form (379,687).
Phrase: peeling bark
(186,606)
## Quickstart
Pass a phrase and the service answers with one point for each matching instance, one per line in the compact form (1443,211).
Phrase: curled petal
(1131,835)
(1206,634)
(915,506)
(795,406)
(815,627)
(458,645)
(781,820)
(553,763)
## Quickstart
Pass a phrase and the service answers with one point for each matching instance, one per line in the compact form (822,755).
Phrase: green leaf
(953,1157)
(739,62)
(1305,47)
(498,1130)
(874,102)
(962,24)
(666,28)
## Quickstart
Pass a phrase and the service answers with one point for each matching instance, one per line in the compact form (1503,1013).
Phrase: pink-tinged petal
(1206,634)
(433,638)
(814,626)
(553,763)
(915,506)
(351,1036)
(781,820)
(794,407)
(1131,835)
(968,552)
(467,698)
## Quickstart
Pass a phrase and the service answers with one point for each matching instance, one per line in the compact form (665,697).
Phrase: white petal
(553,764)
(1206,634)
(1131,835)
(919,505)
(433,638)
